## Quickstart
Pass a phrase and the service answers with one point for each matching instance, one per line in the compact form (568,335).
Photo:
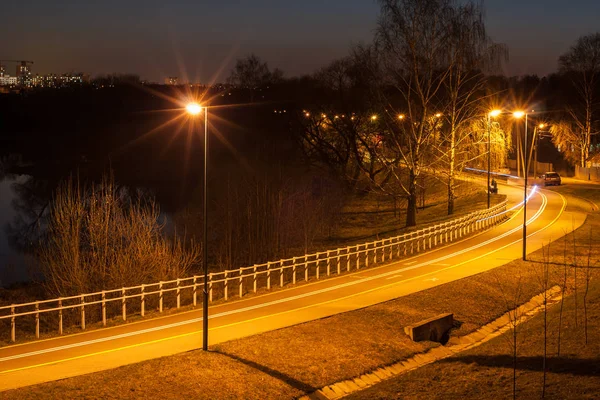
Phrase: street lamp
(519,115)
(537,135)
(194,109)
(493,113)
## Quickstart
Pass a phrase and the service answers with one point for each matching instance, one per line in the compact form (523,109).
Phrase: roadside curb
(484,334)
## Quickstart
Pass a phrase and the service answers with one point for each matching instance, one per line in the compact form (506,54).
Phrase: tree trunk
(411,208)
(451,195)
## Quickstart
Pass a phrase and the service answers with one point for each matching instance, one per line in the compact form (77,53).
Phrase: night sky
(201,39)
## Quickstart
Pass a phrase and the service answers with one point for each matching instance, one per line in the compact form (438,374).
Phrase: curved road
(61,357)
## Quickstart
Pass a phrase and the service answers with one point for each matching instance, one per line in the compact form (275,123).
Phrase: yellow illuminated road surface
(52,359)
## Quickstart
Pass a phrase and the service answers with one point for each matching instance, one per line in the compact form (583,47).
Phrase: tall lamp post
(537,135)
(493,113)
(519,115)
(195,109)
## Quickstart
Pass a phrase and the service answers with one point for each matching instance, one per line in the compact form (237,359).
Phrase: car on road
(551,178)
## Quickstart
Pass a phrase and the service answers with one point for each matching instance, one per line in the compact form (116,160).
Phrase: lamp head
(495,113)
(518,114)
(193,108)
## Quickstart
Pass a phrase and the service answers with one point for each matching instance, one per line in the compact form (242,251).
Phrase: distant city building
(24,77)
(7,80)
(2,71)
(57,81)
(172,80)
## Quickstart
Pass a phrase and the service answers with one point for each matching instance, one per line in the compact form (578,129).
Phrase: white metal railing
(226,283)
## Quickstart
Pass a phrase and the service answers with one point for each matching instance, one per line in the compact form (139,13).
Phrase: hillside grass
(486,372)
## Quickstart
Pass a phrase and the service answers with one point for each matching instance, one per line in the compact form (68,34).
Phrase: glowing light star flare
(495,113)
(193,108)
(518,114)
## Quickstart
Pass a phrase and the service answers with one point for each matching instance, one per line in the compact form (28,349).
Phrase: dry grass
(193,375)
(372,215)
(486,371)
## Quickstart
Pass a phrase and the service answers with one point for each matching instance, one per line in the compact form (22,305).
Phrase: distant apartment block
(172,80)
(7,80)
(24,77)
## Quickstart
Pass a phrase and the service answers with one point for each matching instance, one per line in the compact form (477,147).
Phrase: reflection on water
(13,262)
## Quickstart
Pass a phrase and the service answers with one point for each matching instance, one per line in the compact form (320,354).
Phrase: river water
(13,263)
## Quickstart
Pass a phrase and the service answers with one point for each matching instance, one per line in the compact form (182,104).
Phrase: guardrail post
(123,303)
(82,312)
(281,273)
(255,278)
(210,288)
(241,285)
(383,251)
(225,285)
(317,268)
(307,267)
(328,264)
(348,259)
(375,253)
(160,296)
(268,275)
(339,261)
(357,256)
(142,301)
(60,317)
(13,325)
(178,292)
(103,308)
(294,270)
(37,320)
(367,255)
(195,291)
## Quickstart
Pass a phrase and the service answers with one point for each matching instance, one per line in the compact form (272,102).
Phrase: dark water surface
(13,263)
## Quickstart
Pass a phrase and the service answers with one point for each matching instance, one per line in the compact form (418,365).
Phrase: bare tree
(251,72)
(431,55)
(587,277)
(412,41)
(582,64)
(470,53)
(544,281)
(512,297)
(563,294)
(100,237)
(333,130)
(568,138)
